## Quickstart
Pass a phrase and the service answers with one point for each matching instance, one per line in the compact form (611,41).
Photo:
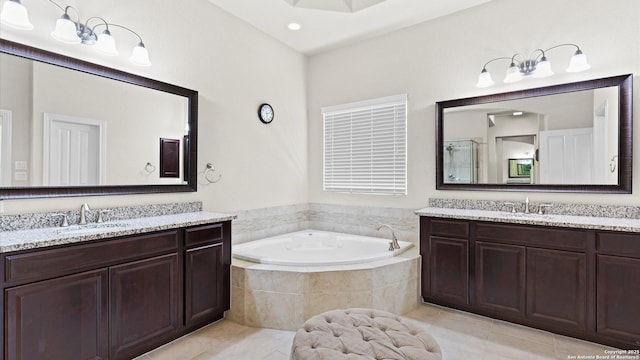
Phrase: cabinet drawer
(623,244)
(457,228)
(564,239)
(204,234)
(37,265)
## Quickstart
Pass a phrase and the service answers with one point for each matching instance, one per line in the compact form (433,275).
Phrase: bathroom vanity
(571,275)
(113,295)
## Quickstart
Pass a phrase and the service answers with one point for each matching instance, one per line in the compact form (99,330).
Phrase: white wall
(441,59)
(234,67)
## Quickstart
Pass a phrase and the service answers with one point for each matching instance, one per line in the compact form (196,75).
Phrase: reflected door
(566,156)
(73,152)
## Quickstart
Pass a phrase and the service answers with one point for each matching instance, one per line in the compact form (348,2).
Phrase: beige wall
(234,67)
(441,59)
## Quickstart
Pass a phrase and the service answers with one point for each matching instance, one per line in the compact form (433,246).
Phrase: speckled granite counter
(570,221)
(36,238)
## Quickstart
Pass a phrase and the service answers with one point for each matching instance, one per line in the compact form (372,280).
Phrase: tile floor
(460,335)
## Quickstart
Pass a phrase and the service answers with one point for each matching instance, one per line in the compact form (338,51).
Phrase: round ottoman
(363,334)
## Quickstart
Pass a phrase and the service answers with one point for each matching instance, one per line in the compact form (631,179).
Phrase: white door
(73,151)
(566,156)
(5,147)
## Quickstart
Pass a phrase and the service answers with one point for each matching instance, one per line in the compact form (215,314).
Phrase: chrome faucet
(526,206)
(394,240)
(83,214)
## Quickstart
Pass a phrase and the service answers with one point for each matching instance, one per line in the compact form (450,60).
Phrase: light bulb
(578,62)
(484,79)
(106,44)
(66,31)
(15,15)
(140,55)
(543,68)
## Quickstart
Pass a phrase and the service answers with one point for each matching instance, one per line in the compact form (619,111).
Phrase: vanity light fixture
(14,14)
(537,66)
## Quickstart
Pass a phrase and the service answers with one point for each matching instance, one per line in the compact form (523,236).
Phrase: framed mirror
(574,137)
(73,128)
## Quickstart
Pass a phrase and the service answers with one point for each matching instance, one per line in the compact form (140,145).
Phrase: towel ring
(208,174)
(149,168)
(613,163)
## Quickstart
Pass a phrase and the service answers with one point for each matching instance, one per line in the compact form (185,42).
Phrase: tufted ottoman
(362,334)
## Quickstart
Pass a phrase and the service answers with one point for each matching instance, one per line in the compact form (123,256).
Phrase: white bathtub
(316,248)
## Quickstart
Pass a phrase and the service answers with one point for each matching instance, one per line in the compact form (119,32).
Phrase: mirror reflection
(573,137)
(565,138)
(65,128)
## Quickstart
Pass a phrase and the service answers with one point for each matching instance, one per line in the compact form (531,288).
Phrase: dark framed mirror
(73,128)
(574,137)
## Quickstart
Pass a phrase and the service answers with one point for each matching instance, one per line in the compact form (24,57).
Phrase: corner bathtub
(316,248)
(294,276)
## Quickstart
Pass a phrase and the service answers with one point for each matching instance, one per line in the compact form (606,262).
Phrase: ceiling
(328,24)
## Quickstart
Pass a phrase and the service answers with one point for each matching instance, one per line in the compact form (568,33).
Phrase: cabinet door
(204,284)
(144,305)
(500,277)
(63,318)
(449,270)
(618,298)
(556,288)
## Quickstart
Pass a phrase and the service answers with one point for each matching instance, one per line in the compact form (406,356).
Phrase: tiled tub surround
(257,224)
(283,297)
(36,238)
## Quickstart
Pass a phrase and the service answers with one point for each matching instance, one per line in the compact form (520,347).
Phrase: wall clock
(265,113)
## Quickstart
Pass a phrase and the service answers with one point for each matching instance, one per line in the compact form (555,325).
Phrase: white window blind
(365,146)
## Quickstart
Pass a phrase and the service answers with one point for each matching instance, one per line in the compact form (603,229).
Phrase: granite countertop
(36,238)
(570,221)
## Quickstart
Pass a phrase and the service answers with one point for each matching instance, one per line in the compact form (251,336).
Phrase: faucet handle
(513,206)
(101,213)
(541,208)
(65,219)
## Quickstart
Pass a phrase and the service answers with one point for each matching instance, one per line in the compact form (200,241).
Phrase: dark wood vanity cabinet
(577,282)
(114,298)
(618,283)
(207,266)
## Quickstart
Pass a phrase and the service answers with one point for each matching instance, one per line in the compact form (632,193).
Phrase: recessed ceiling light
(294,26)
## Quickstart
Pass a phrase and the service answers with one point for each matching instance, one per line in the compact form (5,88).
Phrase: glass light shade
(484,79)
(106,44)
(15,15)
(578,62)
(513,74)
(543,69)
(140,55)
(66,31)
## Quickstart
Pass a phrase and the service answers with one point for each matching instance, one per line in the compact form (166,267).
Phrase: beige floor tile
(461,336)
(523,332)
(566,346)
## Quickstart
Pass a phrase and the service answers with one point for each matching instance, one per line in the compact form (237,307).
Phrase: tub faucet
(394,239)
(83,214)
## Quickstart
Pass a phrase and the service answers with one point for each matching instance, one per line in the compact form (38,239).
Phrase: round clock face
(265,113)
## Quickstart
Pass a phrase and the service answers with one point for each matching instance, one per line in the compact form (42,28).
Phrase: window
(365,146)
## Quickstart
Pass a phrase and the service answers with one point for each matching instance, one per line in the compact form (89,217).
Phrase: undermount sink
(92,228)
(522,215)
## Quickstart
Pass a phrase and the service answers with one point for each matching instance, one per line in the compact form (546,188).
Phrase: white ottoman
(363,334)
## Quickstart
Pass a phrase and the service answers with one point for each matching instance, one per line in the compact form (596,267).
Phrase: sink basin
(92,229)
